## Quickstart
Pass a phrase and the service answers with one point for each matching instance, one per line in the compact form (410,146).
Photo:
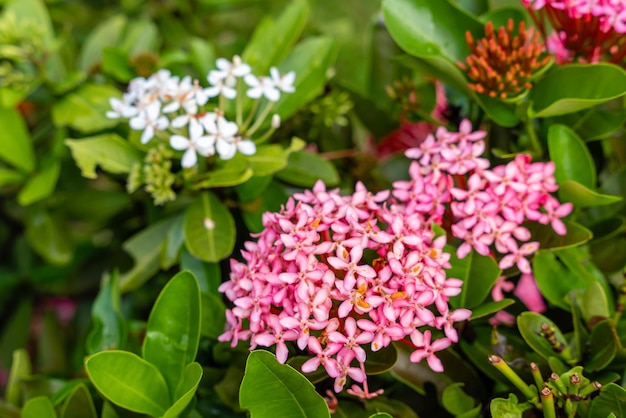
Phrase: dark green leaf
(603,345)
(173,243)
(9,177)
(79,404)
(16,147)
(529,325)
(39,407)
(553,95)
(305,168)
(115,63)
(571,157)
(129,381)
(273,38)
(202,56)
(612,400)
(314,377)
(550,240)
(47,234)
(109,328)
(595,303)
(380,361)
(109,151)
(209,228)
(582,197)
(271,389)
(141,36)
(213,315)
(173,329)
(455,400)
(107,33)
(478,272)
(226,173)
(208,274)
(489,308)
(85,109)
(506,408)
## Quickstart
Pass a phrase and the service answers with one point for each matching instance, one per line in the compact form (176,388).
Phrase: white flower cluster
(163,103)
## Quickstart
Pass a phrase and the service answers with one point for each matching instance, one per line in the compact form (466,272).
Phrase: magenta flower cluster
(486,208)
(336,274)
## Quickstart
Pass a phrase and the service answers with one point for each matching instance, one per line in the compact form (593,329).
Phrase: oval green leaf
(79,404)
(173,330)
(270,389)
(571,157)
(47,234)
(549,240)
(186,389)
(39,407)
(129,381)
(529,325)
(490,308)
(209,229)
(561,91)
(109,329)
(305,168)
(455,400)
(112,153)
(479,273)
(582,197)
(16,145)
(20,369)
(603,346)
(85,110)
(213,315)
(611,401)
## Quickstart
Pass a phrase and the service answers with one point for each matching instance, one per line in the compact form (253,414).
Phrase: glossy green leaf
(271,389)
(108,411)
(310,60)
(145,247)
(305,168)
(595,123)
(612,400)
(116,64)
(79,404)
(39,407)
(109,330)
(478,272)
(202,55)
(15,332)
(129,381)
(273,38)
(173,243)
(553,95)
(141,36)
(381,415)
(41,185)
(186,389)
(20,369)
(109,151)
(455,400)
(595,303)
(85,109)
(603,345)
(268,159)
(380,361)
(225,174)
(107,33)
(213,315)
(173,330)
(47,234)
(582,197)
(608,249)
(571,157)
(208,274)
(209,228)
(529,325)
(16,147)
(549,240)
(256,202)
(506,408)
(9,177)
(490,308)
(314,377)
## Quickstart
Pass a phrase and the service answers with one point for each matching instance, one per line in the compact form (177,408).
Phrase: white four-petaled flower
(149,120)
(197,143)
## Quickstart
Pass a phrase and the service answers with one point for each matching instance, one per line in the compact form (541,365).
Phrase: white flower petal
(179,142)
(251,80)
(272,94)
(255,92)
(226,150)
(223,64)
(180,121)
(204,142)
(162,123)
(227,129)
(147,134)
(171,107)
(190,158)
(138,122)
(246,147)
(229,92)
(195,129)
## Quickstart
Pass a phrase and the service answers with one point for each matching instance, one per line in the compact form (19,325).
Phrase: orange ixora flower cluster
(502,64)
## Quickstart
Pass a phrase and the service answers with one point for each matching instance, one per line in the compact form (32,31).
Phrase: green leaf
(48,236)
(270,389)
(41,185)
(145,247)
(16,145)
(310,60)
(109,151)
(270,200)
(595,303)
(109,330)
(571,157)
(208,274)
(173,330)
(225,174)
(115,63)
(39,407)
(612,400)
(314,377)
(129,381)
(209,228)
(553,95)
(79,404)
(186,389)
(550,240)
(108,411)
(20,370)
(141,36)
(85,109)
(9,177)
(603,345)
(273,38)
(201,55)
(304,169)
(381,415)
(479,273)
(489,308)
(529,325)
(173,243)
(268,159)
(380,361)
(506,408)
(108,33)
(455,400)
(213,315)
(582,197)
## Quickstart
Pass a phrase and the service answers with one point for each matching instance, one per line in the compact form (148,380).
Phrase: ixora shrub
(402,208)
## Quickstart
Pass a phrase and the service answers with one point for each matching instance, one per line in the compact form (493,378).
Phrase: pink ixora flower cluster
(586,30)
(336,274)
(487,207)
